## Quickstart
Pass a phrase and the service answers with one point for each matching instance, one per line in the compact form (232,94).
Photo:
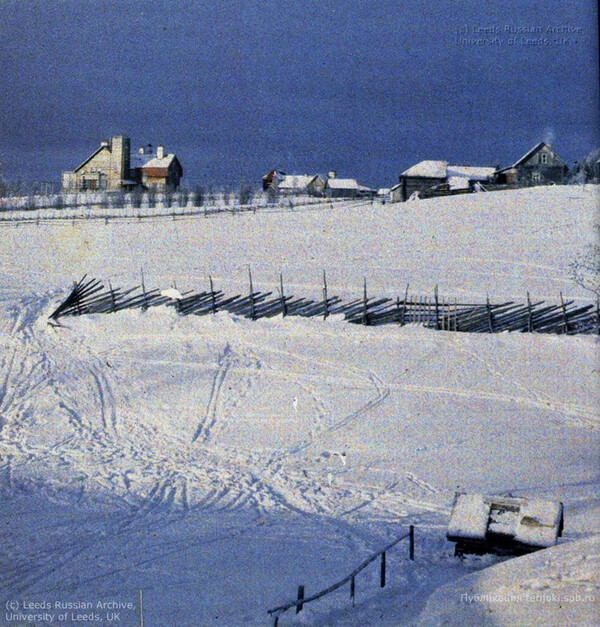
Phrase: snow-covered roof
(155,162)
(528,154)
(458,182)
(336,183)
(137,160)
(469,517)
(539,521)
(428,169)
(296,181)
(534,522)
(473,173)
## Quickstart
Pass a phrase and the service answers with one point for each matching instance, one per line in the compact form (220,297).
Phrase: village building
(272,179)
(540,166)
(429,175)
(346,188)
(112,168)
(297,184)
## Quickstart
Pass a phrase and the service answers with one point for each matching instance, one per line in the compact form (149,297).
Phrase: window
(536,177)
(544,158)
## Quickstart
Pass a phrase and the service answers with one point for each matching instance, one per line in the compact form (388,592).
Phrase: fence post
(404,305)
(145,306)
(455,315)
(598,315)
(365,319)
(353,590)
(213,302)
(411,543)
(77,299)
(252,308)
(325,298)
(437,309)
(382,571)
(300,599)
(489,312)
(283,305)
(564,314)
(112,297)
(529,314)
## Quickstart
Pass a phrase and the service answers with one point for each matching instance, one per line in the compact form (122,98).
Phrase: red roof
(156,171)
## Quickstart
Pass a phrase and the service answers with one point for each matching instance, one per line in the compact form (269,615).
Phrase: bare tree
(246,194)
(199,196)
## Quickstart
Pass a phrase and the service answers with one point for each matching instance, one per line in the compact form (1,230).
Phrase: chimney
(332,174)
(160,152)
(142,151)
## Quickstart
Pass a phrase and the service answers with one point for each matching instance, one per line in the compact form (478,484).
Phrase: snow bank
(554,587)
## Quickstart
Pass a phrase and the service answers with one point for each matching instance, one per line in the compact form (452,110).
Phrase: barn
(427,175)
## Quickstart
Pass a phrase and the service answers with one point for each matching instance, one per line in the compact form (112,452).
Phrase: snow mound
(556,586)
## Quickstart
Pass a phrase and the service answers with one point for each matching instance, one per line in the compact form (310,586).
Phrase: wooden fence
(565,317)
(302,600)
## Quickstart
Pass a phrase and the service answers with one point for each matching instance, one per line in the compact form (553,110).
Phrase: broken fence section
(90,296)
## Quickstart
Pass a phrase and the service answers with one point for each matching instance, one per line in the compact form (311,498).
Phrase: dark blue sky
(237,87)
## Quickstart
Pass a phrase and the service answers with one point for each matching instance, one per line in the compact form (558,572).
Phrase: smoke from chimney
(549,136)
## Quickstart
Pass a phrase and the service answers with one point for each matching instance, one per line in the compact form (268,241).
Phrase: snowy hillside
(215,463)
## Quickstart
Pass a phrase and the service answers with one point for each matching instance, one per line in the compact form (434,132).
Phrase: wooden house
(428,175)
(153,169)
(272,179)
(540,166)
(298,184)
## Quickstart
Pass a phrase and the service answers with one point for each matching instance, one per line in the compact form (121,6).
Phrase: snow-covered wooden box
(503,525)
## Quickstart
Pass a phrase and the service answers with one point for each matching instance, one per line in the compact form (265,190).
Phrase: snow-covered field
(214,463)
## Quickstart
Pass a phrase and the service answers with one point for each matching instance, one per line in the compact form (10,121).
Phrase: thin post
(489,313)
(455,315)
(213,301)
(252,307)
(564,314)
(276,620)
(353,590)
(77,299)
(283,305)
(404,305)
(177,301)
(365,319)
(325,297)
(437,308)
(382,571)
(529,314)
(411,543)
(300,599)
(112,297)
(145,306)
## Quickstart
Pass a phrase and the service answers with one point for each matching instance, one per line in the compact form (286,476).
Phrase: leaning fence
(567,316)
(302,600)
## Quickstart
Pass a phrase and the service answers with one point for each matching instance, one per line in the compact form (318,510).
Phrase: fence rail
(301,600)
(565,317)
